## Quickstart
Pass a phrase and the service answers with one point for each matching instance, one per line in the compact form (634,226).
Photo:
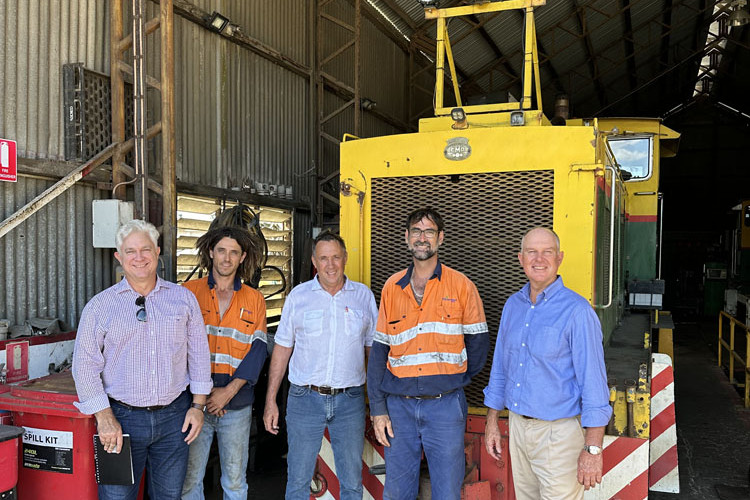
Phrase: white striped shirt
(145,363)
(328,332)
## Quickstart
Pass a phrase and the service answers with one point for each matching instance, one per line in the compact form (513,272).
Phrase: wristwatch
(198,406)
(592,449)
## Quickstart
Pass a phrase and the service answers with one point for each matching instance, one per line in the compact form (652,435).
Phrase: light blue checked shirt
(140,363)
(329,333)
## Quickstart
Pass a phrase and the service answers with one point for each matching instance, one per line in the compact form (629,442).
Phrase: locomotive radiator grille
(485,214)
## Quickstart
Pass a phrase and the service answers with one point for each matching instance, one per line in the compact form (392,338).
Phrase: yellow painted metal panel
(569,151)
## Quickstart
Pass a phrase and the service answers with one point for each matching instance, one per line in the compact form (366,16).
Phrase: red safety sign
(8,169)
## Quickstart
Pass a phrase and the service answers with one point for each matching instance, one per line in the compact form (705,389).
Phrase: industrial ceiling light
(367,104)
(428,3)
(739,16)
(218,22)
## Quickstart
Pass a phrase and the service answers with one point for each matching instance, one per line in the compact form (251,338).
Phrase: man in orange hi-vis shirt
(431,339)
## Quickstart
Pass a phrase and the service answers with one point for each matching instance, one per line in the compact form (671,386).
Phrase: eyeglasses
(415,232)
(141,314)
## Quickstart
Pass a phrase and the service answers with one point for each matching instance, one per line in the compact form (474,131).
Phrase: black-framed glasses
(141,314)
(416,233)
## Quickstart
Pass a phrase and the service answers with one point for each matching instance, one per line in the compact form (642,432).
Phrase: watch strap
(198,406)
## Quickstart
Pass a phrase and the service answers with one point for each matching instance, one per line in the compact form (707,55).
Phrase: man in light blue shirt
(548,370)
(326,328)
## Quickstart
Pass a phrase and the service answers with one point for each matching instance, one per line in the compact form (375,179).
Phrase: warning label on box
(45,449)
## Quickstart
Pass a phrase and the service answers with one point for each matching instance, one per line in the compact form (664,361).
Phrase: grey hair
(550,231)
(136,226)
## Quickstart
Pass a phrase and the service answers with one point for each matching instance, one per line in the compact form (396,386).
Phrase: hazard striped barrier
(664,472)
(371,456)
(624,470)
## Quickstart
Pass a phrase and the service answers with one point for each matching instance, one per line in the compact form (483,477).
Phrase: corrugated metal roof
(605,54)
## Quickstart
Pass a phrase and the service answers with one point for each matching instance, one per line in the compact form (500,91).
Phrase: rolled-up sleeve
(494,393)
(590,372)
(88,361)
(199,356)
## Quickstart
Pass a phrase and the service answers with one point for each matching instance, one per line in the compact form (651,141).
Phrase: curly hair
(249,245)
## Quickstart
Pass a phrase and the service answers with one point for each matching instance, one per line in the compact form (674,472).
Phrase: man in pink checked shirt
(141,365)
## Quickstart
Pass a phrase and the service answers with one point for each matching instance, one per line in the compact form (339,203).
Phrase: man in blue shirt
(548,370)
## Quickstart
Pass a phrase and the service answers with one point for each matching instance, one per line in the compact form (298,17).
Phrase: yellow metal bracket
(530,65)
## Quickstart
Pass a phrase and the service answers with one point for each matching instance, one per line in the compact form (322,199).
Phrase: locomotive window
(633,155)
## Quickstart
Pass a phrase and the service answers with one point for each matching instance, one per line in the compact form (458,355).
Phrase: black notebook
(113,468)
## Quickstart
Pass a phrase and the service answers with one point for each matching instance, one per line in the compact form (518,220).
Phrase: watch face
(594,450)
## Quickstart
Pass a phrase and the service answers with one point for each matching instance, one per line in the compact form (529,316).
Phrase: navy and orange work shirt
(237,340)
(427,349)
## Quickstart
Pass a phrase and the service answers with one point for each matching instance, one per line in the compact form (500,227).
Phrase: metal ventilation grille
(485,214)
(88,112)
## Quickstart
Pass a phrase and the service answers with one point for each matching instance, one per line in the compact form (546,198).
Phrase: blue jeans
(307,416)
(438,427)
(233,434)
(156,442)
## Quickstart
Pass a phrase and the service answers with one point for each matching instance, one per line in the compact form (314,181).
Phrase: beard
(224,272)
(422,252)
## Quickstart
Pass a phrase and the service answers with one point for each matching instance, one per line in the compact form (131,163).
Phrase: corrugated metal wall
(48,265)
(36,39)
(238,116)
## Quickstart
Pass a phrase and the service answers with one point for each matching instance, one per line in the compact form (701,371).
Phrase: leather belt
(130,407)
(527,417)
(436,396)
(327,391)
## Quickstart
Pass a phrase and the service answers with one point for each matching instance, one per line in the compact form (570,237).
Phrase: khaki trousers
(544,457)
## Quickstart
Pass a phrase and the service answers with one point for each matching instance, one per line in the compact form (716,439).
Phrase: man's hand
(193,421)
(589,469)
(110,432)
(218,399)
(492,438)
(271,417)
(381,424)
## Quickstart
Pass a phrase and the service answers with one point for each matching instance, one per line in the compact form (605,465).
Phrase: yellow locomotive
(496,170)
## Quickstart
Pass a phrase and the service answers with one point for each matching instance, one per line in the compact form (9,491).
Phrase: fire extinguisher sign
(8,169)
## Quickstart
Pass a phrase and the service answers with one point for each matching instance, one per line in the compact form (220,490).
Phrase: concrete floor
(713,428)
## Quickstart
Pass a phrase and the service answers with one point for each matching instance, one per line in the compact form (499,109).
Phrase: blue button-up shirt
(329,333)
(549,360)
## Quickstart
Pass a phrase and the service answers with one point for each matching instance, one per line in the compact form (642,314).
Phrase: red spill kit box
(56,460)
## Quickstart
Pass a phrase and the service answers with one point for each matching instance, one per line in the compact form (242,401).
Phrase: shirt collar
(437,273)
(212,281)
(547,293)
(124,285)
(317,286)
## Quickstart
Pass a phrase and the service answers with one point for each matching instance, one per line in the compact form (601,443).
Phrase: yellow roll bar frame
(530,61)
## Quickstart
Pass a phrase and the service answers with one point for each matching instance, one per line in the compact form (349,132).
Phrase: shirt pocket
(176,330)
(354,321)
(312,322)
(246,324)
(450,324)
(546,342)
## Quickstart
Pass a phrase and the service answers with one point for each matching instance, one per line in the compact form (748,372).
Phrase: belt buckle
(327,391)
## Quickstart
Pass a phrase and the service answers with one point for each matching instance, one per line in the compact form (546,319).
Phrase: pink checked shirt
(140,363)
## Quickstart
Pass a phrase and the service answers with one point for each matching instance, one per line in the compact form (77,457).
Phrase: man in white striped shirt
(326,327)
(140,352)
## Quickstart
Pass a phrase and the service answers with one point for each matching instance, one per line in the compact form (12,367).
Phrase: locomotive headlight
(459,118)
(517,119)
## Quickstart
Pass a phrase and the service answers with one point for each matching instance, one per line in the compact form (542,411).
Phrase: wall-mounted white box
(109,215)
